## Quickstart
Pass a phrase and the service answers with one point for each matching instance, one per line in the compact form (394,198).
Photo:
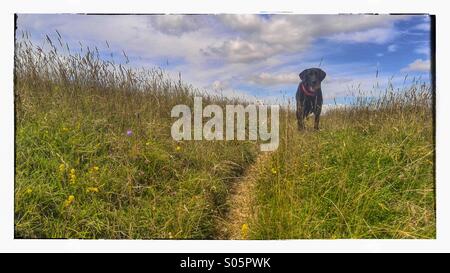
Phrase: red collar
(307,92)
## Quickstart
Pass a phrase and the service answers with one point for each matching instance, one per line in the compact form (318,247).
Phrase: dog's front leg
(317,111)
(316,121)
(300,116)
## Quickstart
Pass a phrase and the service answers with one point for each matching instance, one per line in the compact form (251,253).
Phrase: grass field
(95,159)
(369,173)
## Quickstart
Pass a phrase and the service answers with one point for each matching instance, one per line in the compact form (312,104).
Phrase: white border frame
(8,244)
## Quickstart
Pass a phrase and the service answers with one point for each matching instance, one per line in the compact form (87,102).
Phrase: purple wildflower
(129,133)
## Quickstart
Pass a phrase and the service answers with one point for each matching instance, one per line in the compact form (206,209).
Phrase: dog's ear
(303,74)
(321,74)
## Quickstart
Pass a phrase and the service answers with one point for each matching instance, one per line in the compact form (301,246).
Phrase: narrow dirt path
(239,203)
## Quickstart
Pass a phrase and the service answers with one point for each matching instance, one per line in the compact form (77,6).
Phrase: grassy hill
(95,159)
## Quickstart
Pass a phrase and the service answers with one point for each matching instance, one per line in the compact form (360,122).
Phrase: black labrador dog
(309,96)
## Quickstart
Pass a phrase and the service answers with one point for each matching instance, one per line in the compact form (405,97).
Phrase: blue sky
(257,56)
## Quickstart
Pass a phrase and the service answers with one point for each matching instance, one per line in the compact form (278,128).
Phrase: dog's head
(312,78)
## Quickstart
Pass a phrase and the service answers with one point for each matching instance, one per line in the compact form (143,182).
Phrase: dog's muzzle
(307,90)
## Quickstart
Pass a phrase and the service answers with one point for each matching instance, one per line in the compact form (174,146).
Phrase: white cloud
(239,50)
(392,48)
(293,33)
(425,50)
(376,35)
(178,24)
(275,79)
(380,54)
(418,65)
(231,38)
(423,26)
(137,35)
(243,22)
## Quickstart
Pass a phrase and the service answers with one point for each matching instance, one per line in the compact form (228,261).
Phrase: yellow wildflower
(28,191)
(93,170)
(72,176)
(244,231)
(65,129)
(62,168)
(92,189)
(147,143)
(69,201)
(178,148)
(274,171)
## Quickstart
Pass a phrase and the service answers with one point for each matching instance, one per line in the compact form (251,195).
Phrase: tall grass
(95,159)
(94,155)
(369,173)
